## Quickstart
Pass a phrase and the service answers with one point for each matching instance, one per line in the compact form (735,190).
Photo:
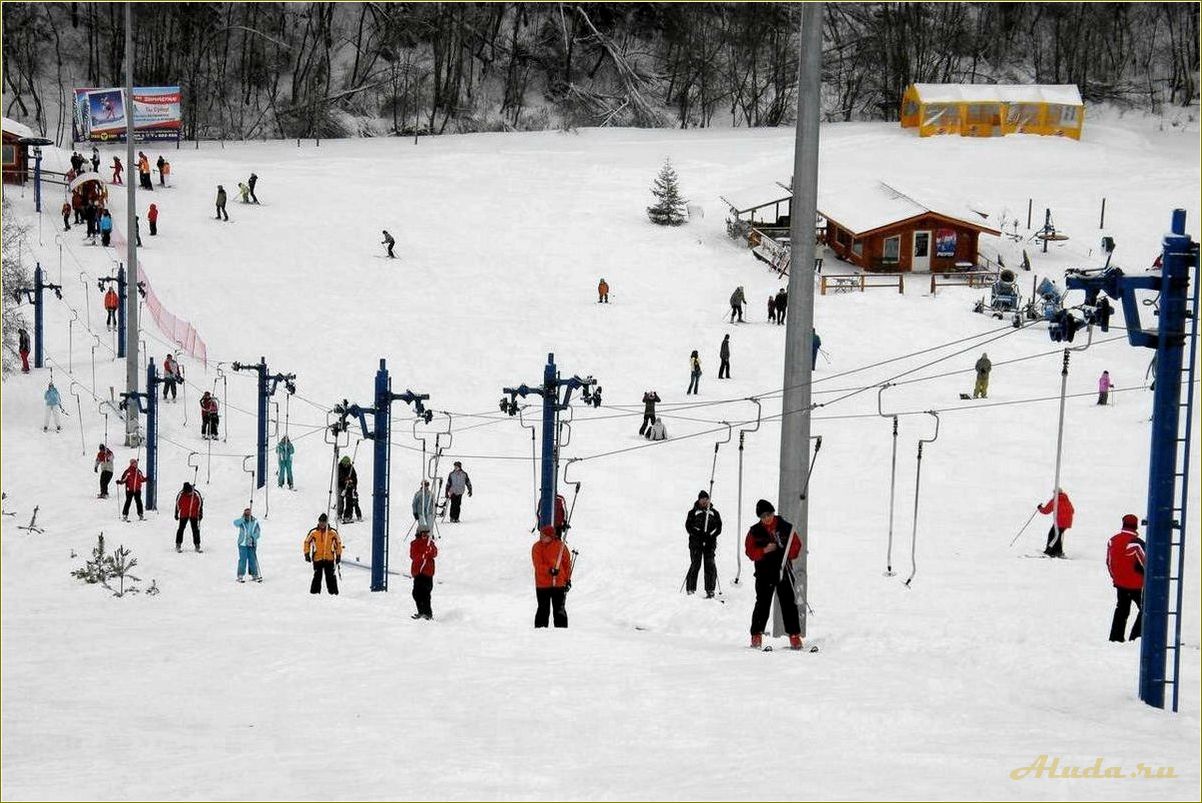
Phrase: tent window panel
(984,114)
(941,116)
(10,155)
(909,109)
(892,249)
(1068,115)
(1023,114)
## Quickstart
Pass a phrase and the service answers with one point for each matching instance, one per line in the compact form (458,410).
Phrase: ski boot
(757,641)
(241,580)
(178,548)
(795,643)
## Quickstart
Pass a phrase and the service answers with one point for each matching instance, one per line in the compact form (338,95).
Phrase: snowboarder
(111,302)
(657,431)
(323,549)
(1063,520)
(144,172)
(133,480)
(118,169)
(221,203)
(552,577)
(1104,386)
(782,305)
(1125,560)
(283,456)
(981,389)
(771,309)
(208,416)
(244,193)
(815,347)
(106,228)
(23,349)
(389,242)
(694,373)
(737,300)
(53,405)
(248,543)
(765,546)
(348,491)
(250,184)
(724,358)
(422,552)
(603,291)
(189,510)
(104,465)
(66,216)
(161,163)
(650,398)
(457,482)
(704,525)
(152,217)
(423,506)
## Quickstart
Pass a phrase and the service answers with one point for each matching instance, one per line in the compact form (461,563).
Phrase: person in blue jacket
(53,405)
(248,543)
(106,228)
(815,348)
(283,454)
(423,506)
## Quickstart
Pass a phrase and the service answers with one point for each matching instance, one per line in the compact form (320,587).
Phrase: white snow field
(215,690)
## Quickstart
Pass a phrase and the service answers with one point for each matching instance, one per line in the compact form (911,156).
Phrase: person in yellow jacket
(324,550)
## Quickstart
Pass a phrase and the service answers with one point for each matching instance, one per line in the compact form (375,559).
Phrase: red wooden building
(16,155)
(883,229)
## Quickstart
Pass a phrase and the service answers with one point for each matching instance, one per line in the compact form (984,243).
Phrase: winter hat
(322,518)
(187,487)
(345,460)
(1130,521)
(703,495)
(458,464)
(763,506)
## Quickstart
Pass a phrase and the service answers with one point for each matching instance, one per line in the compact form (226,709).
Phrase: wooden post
(932,284)
(1102,219)
(822,286)
(1030,202)
(901,283)
(861,282)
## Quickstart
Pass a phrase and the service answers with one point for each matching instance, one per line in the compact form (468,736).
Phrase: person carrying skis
(422,552)
(221,203)
(23,349)
(250,185)
(650,399)
(104,465)
(766,545)
(457,482)
(815,347)
(323,549)
(771,309)
(106,228)
(782,305)
(552,577)
(283,456)
(724,358)
(189,510)
(118,169)
(244,193)
(53,405)
(1104,386)
(208,416)
(152,217)
(111,302)
(704,525)
(1063,509)
(602,291)
(694,373)
(66,216)
(737,300)
(389,242)
(423,506)
(981,389)
(657,431)
(1125,560)
(348,491)
(133,480)
(248,545)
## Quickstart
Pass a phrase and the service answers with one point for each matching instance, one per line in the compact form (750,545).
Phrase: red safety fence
(182,333)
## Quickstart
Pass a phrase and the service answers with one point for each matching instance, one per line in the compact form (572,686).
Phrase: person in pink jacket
(1104,386)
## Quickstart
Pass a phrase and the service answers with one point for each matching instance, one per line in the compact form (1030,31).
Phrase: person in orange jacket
(552,577)
(323,549)
(111,301)
(767,542)
(1063,508)
(602,292)
(152,216)
(144,171)
(422,552)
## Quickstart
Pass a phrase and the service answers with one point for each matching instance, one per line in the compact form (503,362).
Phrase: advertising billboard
(100,114)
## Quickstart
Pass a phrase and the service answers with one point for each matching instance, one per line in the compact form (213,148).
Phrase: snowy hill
(216,690)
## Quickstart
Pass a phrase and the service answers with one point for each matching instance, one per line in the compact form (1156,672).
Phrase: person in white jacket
(657,431)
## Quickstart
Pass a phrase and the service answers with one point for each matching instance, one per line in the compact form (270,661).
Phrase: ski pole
(1024,527)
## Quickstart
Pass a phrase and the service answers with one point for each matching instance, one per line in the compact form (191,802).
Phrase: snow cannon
(1004,292)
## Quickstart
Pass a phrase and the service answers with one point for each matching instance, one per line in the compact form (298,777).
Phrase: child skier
(244,192)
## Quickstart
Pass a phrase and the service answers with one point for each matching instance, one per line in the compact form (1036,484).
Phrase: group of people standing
(246,190)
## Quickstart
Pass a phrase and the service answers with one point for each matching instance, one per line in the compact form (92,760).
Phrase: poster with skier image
(100,114)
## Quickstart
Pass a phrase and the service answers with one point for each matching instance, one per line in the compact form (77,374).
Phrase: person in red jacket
(1125,560)
(133,480)
(552,577)
(152,215)
(66,216)
(766,543)
(118,169)
(208,416)
(422,552)
(561,515)
(1060,505)
(189,509)
(111,301)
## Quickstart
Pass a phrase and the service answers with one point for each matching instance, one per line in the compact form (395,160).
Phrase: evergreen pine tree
(669,207)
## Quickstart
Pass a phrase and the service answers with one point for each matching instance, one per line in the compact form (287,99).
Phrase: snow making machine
(1046,302)
(1004,296)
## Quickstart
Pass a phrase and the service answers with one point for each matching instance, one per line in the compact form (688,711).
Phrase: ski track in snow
(215,690)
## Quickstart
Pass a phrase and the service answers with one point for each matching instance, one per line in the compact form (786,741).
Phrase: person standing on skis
(552,577)
(189,510)
(389,242)
(422,552)
(221,198)
(1125,559)
(53,405)
(724,358)
(23,349)
(766,545)
(348,491)
(248,545)
(423,506)
(283,456)
(104,465)
(457,483)
(704,525)
(133,480)
(111,302)
(323,549)
(737,300)
(1063,509)
(169,379)
(250,185)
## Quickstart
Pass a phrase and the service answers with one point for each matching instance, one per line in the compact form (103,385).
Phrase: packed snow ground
(219,690)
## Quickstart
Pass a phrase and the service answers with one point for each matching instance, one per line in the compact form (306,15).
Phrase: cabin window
(843,238)
(857,248)
(10,154)
(892,249)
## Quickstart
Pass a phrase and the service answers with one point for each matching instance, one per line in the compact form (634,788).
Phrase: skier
(457,482)
(66,216)
(782,305)
(423,506)
(704,525)
(95,159)
(248,543)
(422,552)
(189,510)
(981,389)
(390,242)
(169,376)
(106,228)
(1104,386)
(250,184)
(144,171)
(552,577)
(221,203)
(152,217)
(737,300)
(160,163)
(1125,560)
(53,405)
(694,373)
(724,358)
(283,456)
(323,549)
(165,174)
(765,545)
(133,480)
(89,218)
(244,193)
(23,349)
(111,301)
(771,309)
(657,431)
(603,291)
(104,465)
(1064,519)
(348,491)
(650,398)
(118,169)
(208,416)
(815,347)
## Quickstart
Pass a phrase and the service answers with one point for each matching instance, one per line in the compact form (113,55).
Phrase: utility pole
(131,224)
(799,317)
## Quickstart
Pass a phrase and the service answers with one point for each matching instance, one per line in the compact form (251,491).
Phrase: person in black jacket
(650,399)
(704,525)
(766,545)
(724,358)
(348,491)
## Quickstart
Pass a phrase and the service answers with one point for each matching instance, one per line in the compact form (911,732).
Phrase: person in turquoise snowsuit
(283,453)
(248,543)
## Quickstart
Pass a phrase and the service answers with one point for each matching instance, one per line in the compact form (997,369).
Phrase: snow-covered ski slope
(225,691)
